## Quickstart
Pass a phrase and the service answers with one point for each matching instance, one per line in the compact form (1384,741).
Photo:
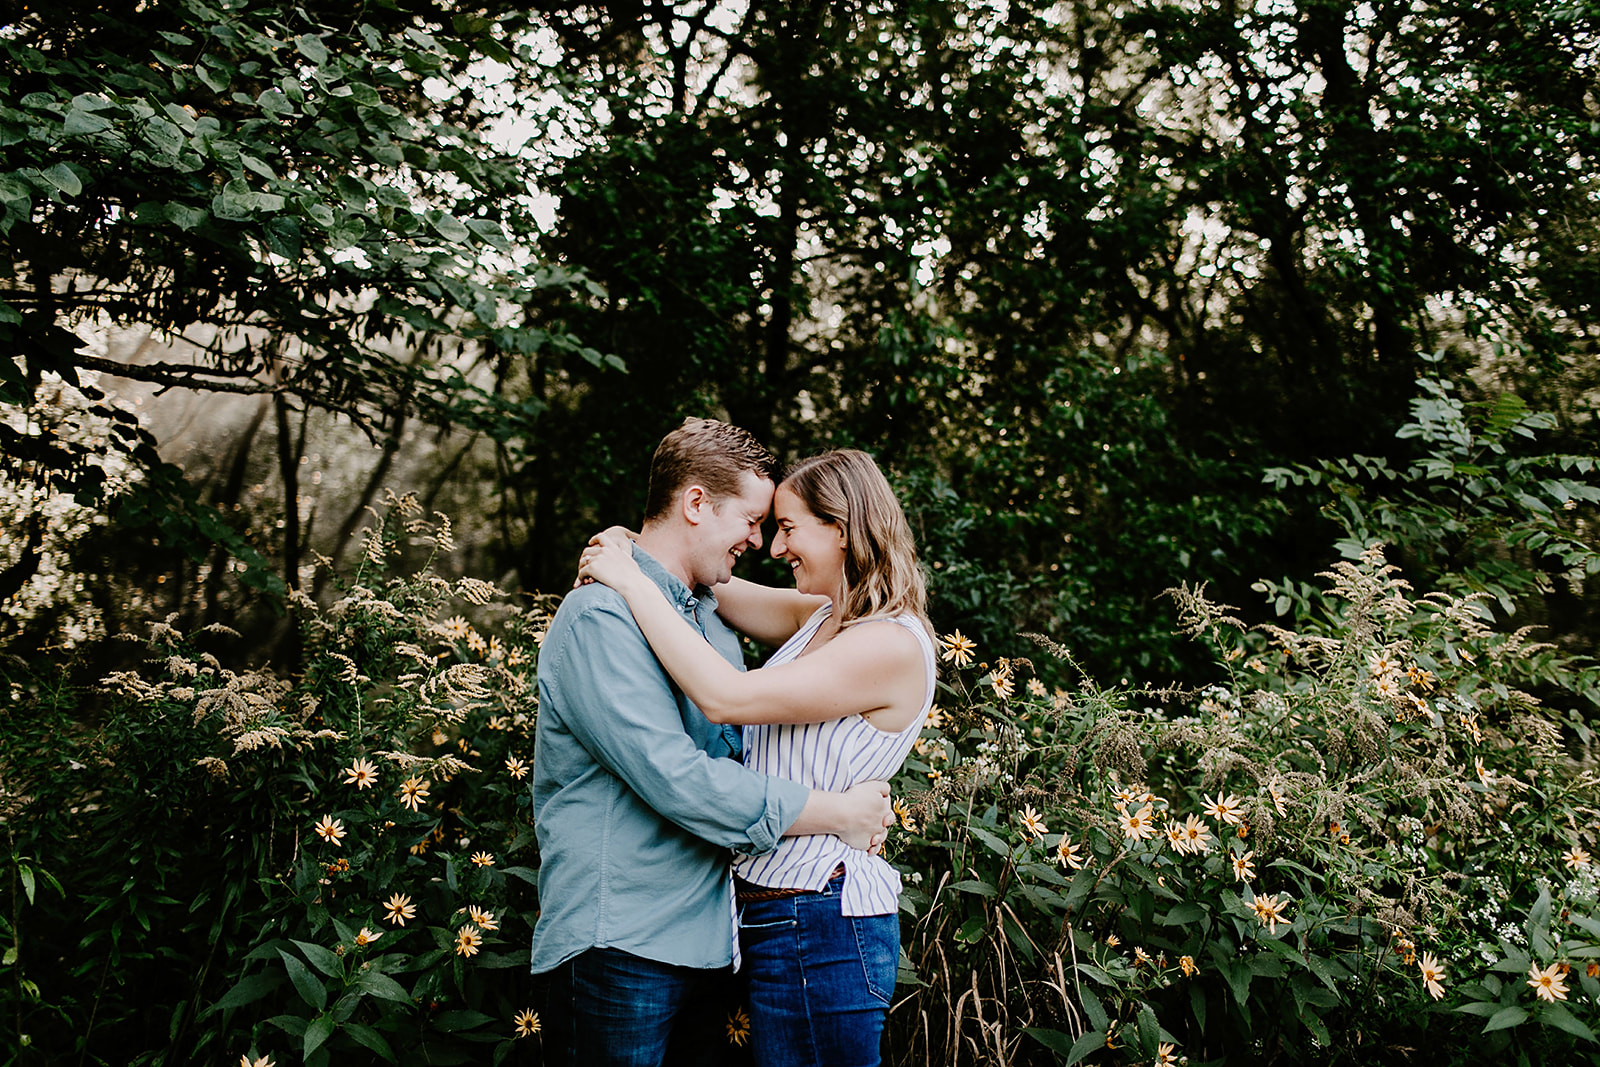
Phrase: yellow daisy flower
(1225,809)
(1432,975)
(361,774)
(957,649)
(330,829)
(468,939)
(366,937)
(1269,909)
(412,792)
(1139,825)
(398,908)
(516,768)
(738,1027)
(483,919)
(1242,869)
(527,1021)
(903,813)
(1165,1055)
(1071,855)
(1575,858)
(1033,823)
(483,859)
(1197,834)
(1547,984)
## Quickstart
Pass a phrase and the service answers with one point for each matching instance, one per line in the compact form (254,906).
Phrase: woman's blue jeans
(819,981)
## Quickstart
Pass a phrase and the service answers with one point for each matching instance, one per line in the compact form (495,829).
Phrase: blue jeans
(819,981)
(609,1008)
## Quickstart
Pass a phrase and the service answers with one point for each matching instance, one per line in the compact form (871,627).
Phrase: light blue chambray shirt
(638,799)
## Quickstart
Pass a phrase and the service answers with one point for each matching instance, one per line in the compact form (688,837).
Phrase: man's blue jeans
(609,1008)
(819,981)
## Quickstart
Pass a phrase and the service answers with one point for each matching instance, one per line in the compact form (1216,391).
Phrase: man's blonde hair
(707,453)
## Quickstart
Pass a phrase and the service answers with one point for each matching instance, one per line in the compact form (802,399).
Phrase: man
(638,798)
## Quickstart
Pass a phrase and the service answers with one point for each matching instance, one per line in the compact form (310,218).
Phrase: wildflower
(1139,825)
(483,859)
(527,1021)
(440,737)
(360,774)
(738,1027)
(1140,955)
(398,908)
(1165,1056)
(1113,940)
(516,768)
(338,866)
(935,719)
(957,649)
(907,823)
(330,829)
(1243,831)
(1593,970)
(1575,858)
(1175,838)
(1385,688)
(1418,705)
(484,920)
(1277,800)
(1471,723)
(259,1061)
(1423,679)
(1033,823)
(412,790)
(1483,776)
(467,941)
(1036,688)
(1071,855)
(1123,797)
(1432,975)
(1269,909)
(496,649)
(1333,828)
(1002,682)
(1197,834)
(476,644)
(455,627)
(1226,809)
(1547,984)
(1383,665)
(935,774)
(1242,869)
(366,937)
(1188,966)
(1344,839)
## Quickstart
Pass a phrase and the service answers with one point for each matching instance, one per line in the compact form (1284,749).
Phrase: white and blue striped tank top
(832,756)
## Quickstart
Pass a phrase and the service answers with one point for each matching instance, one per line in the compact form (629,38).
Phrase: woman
(841,701)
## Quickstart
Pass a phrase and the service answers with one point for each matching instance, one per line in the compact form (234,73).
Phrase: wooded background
(1078,274)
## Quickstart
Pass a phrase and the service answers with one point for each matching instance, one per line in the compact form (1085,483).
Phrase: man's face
(728,527)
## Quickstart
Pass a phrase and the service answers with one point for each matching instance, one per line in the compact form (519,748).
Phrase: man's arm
(618,703)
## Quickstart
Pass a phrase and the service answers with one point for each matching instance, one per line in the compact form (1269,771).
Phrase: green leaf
(1054,1040)
(318,1032)
(1089,1042)
(982,889)
(451,1021)
(185,216)
(451,229)
(990,841)
(1505,1018)
(381,985)
(1558,1016)
(26,874)
(84,122)
(64,178)
(247,990)
(1093,1009)
(323,959)
(370,1038)
(972,930)
(311,46)
(308,985)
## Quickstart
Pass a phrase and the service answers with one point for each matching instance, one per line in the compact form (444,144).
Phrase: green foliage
(1270,863)
(338,864)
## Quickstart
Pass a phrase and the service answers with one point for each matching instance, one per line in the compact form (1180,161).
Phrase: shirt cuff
(785,799)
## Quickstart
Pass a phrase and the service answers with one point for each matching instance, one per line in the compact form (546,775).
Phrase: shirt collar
(677,592)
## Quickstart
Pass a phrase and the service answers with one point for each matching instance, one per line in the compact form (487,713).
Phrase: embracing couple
(693,816)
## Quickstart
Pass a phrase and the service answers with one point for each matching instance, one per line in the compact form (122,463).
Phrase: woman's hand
(611,535)
(609,559)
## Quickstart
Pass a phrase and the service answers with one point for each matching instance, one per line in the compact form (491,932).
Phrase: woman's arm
(865,669)
(763,612)
(768,614)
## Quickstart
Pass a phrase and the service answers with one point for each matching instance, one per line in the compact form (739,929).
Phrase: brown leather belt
(749,893)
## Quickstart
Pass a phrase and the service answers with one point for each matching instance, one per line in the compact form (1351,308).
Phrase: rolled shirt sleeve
(621,706)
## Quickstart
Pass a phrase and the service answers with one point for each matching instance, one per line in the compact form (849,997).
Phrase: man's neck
(666,549)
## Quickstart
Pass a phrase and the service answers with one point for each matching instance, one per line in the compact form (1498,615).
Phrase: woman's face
(813,549)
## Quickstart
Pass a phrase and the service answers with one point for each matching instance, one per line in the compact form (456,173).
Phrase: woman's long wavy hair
(882,578)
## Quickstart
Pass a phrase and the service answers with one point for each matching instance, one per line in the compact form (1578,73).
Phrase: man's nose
(754,539)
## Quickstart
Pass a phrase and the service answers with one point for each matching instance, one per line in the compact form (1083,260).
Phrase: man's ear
(695,503)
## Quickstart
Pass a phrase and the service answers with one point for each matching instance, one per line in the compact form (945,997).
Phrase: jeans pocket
(878,941)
